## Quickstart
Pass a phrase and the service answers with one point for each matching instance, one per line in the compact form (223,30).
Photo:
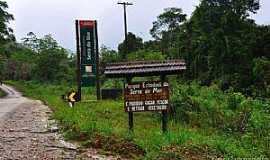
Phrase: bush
(146,55)
(209,107)
(234,100)
(261,77)
(203,123)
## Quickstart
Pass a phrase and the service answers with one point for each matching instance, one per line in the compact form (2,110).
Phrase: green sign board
(88,41)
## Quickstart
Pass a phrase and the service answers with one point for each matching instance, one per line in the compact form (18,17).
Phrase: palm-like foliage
(5,17)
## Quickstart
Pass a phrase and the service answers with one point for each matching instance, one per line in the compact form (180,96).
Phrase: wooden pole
(164,121)
(130,114)
(78,61)
(97,65)
(164,113)
(125,4)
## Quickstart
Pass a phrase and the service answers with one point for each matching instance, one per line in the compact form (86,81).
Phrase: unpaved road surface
(11,101)
(26,132)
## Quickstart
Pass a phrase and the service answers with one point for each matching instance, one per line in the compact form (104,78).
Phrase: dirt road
(26,132)
(11,101)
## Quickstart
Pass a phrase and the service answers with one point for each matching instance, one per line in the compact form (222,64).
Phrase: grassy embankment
(2,93)
(207,123)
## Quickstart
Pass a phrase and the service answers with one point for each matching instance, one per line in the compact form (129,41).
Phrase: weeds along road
(26,132)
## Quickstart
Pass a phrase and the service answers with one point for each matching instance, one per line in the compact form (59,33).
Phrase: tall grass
(205,123)
(2,93)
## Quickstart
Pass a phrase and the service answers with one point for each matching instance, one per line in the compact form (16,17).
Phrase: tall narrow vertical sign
(89,54)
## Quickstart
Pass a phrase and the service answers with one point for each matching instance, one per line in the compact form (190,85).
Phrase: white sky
(57,17)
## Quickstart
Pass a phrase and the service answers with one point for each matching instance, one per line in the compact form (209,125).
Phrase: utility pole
(125,4)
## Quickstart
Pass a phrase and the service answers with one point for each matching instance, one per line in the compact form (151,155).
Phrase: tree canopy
(134,44)
(220,43)
(5,18)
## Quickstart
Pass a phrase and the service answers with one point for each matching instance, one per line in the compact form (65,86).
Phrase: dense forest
(220,43)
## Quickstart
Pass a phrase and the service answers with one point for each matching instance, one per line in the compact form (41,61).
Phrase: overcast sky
(57,17)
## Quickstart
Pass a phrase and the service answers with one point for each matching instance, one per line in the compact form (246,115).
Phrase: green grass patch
(205,123)
(2,93)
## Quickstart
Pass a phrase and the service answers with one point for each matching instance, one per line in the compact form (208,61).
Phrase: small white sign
(88,69)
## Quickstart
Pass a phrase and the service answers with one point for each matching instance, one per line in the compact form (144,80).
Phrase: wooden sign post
(147,96)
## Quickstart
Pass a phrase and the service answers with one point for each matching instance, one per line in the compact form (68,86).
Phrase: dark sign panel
(88,41)
(146,96)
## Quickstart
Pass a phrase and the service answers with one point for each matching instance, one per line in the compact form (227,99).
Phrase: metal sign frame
(88,73)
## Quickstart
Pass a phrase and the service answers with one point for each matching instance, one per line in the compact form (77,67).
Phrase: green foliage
(145,55)
(261,77)
(52,65)
(232,113)
(38,59)
(170,20)
(108,56)
(134,44)
(261,42)
(212,127)
(219,42)
(113,83)
(18,64)
(221,45)
(5,17)
(210,107)
(218,34)
(234,100)
(2,93)
(6,35)
(164,29)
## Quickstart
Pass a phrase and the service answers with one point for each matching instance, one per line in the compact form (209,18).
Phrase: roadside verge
(2,93)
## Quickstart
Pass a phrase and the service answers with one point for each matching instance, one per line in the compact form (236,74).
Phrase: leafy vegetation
(207,122)
(220,43)
(2,93)
(39,59)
